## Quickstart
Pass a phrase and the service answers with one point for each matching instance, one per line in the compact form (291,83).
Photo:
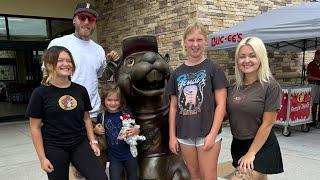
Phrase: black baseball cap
(86,7)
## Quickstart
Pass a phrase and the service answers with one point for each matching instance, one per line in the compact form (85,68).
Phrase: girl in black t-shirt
(60,124)
(198,96)
(120,156)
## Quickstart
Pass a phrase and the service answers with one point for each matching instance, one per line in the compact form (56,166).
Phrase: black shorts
(268,160)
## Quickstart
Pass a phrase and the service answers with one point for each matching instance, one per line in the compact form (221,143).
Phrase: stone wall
(168,18)
(164,18)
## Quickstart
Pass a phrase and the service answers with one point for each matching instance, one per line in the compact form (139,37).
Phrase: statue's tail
(134,151)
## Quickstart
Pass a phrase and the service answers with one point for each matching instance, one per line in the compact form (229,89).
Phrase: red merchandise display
(295,108)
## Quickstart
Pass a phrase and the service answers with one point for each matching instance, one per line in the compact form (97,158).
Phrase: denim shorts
(198,141)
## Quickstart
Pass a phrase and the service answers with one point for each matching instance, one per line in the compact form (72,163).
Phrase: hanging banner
(299,101)
(282,114)
(300,104)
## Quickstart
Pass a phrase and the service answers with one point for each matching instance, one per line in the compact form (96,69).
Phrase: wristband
(93,142)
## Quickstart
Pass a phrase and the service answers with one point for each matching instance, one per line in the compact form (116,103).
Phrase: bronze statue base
(167,167)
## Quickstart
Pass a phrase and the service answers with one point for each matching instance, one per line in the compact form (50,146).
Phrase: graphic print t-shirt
(194,87)
(62,111)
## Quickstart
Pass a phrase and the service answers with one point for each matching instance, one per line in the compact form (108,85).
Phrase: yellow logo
(300,97)
(67,102)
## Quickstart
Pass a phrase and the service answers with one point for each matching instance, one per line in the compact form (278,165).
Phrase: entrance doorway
(20,73)
(22,42)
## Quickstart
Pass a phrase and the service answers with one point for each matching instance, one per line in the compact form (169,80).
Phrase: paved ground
(301,154)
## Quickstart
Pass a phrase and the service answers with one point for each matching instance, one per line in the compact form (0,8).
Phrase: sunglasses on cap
(84,17)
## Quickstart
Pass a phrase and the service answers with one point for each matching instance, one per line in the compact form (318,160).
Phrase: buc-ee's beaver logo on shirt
(67,102)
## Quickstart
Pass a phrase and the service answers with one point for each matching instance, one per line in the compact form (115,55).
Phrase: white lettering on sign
(302,106)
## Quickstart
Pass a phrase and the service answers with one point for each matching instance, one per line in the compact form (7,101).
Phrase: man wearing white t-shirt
(89,57)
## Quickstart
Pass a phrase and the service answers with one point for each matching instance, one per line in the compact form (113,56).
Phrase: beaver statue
(142,74)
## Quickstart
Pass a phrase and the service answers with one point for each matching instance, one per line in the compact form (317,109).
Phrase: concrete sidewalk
(300,154)
(300,151)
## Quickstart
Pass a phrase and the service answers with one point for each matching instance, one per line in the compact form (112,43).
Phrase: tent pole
(303,73)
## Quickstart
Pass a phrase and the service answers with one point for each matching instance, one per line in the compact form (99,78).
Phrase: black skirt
(268,160)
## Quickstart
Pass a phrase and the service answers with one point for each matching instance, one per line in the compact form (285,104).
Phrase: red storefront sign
(231,38)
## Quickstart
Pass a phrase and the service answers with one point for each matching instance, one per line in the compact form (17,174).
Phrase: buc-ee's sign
(231,38)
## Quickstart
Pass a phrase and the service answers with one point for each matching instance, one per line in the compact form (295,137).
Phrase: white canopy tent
(291,28)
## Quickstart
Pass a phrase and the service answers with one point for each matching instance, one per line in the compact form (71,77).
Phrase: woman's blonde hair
(264,73)
(112,87)
(50,59)
(190,29)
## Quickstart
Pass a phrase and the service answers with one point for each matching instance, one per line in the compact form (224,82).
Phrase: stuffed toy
(128,122)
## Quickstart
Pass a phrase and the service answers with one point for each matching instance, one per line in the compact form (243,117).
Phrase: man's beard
(78,35)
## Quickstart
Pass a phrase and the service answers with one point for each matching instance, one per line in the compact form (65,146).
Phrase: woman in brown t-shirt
(252,104)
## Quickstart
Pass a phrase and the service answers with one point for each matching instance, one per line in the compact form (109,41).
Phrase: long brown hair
(50,59)
(112,87)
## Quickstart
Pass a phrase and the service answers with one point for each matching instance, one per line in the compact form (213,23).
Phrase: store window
(27,28)
(3,32)
(34,72)
(61,27)
(30,28)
